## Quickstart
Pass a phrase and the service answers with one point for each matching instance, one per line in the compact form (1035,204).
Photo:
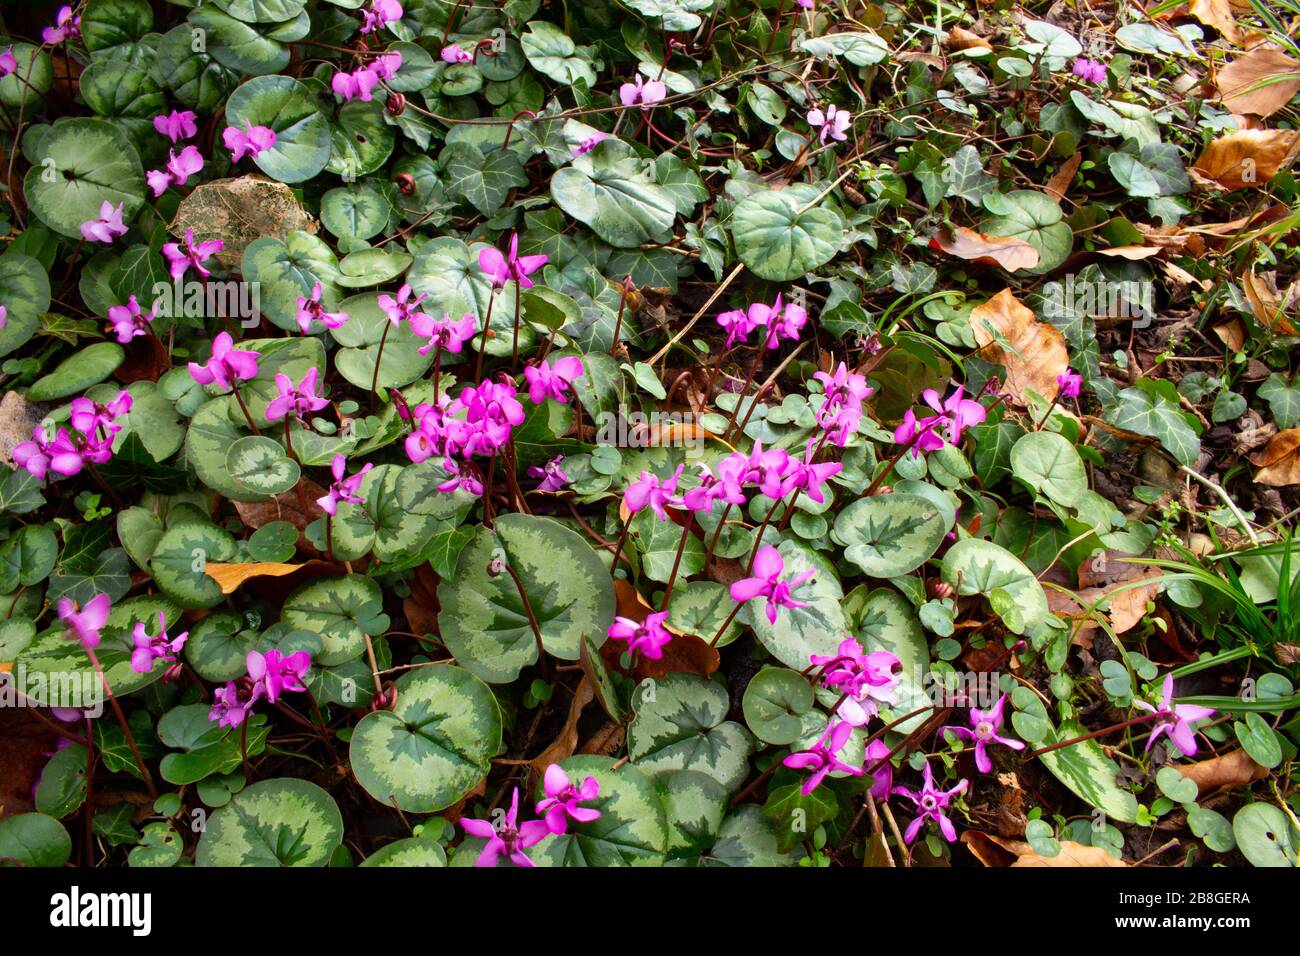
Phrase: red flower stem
(532,619)
(379,357)
(1097,733)
(121,719)
(677,561)
(248,417)
(726,624)
(717,534)
(618,547)
(482,342)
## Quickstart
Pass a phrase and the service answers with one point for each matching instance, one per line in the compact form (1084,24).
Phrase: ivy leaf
(964,174)
(1151,408)
(482,180)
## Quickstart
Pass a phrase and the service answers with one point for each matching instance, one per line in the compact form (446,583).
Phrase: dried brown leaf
(1247,157)
(1279,461)
(1261,82)
(1040,353)
(1009,253)
(1233,769)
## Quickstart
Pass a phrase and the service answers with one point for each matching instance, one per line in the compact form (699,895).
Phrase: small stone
(17,419)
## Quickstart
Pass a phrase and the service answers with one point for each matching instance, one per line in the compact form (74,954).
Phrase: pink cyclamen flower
(380,14)
(107,227)
(647,639)
(647,94)
(841,411)
(1090,71)
(455,54)
(402,308)
(553,381)
(931,802)
(232,704)
(85,623)
(767,469)
(358,84)
(462,478)
(176,125)
(297,400)
(386,65)
(177,171)
(42,455)
(563,798)
(444,334)
(4,316)
(509,836)
(721,485)
(821,758)
(1070,384)
(227,366)
(154,647)
(588,144)
(194,254)
(653,491)
(808,477)
(8,62)
(1176,721)
(864,680)
(983,730)
(492,411)
(767,583)
(883,776)
(833,123)
(954,414)
(275,673)
(738,323)
(553,476)
(783,321)
(95,421)
(66,27)
(501,269)
(804,4)
(310,310)
(129,321)
(249,141)
(437,430)
(343,489)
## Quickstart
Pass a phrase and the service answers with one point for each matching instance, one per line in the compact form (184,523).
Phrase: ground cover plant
(652,432)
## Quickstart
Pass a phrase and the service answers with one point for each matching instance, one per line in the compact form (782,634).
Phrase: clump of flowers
(360,83)
(953,415)
(1090,71)
(90,440)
